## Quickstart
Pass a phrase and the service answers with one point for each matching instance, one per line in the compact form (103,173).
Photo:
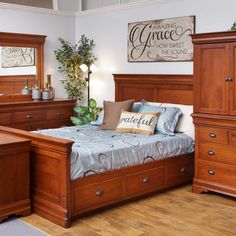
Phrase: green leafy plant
(86,114)
(70,58)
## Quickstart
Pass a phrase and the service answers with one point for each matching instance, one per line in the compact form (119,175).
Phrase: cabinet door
(232,77)
(211,68)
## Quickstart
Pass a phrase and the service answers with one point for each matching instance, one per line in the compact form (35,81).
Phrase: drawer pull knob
(146,180)
(58,113)
(212,135)
(211,152)
(211,172)
(228,79)
(183,169)
(29,116)
(99,193)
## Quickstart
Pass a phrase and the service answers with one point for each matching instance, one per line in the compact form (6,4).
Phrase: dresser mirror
(21,59)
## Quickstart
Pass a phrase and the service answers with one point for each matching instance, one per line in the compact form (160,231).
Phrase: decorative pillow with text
(137,123)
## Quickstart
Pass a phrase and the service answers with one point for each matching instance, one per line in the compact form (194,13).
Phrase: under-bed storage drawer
(177,172)
(94,195)
(145,181)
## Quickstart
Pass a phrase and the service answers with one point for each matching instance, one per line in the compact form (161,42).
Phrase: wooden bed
(59,199)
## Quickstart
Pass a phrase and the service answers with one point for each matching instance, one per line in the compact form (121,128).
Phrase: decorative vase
(36,92)
(50,88)
(26,89)
(46,95)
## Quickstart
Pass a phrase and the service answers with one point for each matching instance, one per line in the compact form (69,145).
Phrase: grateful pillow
(112,111)
(137,123)
(168,119)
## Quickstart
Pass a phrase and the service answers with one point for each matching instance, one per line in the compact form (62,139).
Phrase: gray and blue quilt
(95,151)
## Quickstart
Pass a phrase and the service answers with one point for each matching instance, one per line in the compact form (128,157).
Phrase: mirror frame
(27,40)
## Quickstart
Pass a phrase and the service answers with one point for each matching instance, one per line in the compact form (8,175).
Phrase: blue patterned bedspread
(95,151)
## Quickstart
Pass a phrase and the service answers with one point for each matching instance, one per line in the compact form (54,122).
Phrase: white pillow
(153,103)
(185,123)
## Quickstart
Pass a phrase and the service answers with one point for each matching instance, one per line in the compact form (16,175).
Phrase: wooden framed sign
(161,40)
(17,57)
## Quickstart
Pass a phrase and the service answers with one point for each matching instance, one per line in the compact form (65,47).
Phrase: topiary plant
(86,114)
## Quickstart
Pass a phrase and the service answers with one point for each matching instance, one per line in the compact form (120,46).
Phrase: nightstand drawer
(27,116)
(218,173)
(145,181)
(59,113)
(218,153)
(213,135)
(96,195)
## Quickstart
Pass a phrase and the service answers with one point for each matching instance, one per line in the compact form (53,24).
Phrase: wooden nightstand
(14,176)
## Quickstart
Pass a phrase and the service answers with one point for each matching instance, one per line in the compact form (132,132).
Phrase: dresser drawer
(179,172)
(59,113)
(5,118)
(218,153)
(217,173)
(96,195)
(145,181)
(27,116)
(213,135)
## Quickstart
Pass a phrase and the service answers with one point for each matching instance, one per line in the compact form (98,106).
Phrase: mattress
(95,151)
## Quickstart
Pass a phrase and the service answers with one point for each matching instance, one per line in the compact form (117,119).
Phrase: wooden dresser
(14,175)
(33,115)
(215,112)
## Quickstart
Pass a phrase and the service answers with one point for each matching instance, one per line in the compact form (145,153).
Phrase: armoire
(214,114)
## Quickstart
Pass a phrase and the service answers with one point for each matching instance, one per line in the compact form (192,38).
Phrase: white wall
(45,23)
(109,31)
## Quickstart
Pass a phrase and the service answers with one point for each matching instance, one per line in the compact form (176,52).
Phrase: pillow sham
(185,123)
(137,123)
(168,119)
(135,108)
(112,111)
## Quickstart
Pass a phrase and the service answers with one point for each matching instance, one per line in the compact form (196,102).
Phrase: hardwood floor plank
(177,212)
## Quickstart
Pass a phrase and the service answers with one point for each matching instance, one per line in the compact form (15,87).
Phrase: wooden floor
(175,212)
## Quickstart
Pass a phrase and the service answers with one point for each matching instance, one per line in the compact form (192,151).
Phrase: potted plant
(86,114)
(70,58)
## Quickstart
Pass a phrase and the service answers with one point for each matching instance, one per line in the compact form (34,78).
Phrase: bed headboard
(156,88)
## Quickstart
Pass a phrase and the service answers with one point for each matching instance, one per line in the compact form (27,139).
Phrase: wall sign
(17,57)
(161,40)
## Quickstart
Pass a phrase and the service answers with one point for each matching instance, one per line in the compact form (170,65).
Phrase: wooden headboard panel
(157,88)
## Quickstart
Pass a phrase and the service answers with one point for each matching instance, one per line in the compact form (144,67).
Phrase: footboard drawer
(95,195)
(145,181)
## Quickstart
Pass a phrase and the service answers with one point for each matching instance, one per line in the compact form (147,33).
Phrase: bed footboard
(50,175)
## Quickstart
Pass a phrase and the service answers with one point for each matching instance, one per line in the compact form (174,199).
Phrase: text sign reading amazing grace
(161,40)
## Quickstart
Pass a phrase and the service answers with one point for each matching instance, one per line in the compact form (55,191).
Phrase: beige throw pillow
(137,123)
(112,111)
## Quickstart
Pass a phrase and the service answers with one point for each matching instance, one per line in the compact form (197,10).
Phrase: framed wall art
(17,57)
(161,40)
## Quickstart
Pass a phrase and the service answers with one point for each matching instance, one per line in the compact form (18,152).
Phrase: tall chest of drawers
(33,115)
(215,112)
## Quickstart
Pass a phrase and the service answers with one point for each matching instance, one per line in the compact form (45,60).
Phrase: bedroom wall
(44,22)
(109,30)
